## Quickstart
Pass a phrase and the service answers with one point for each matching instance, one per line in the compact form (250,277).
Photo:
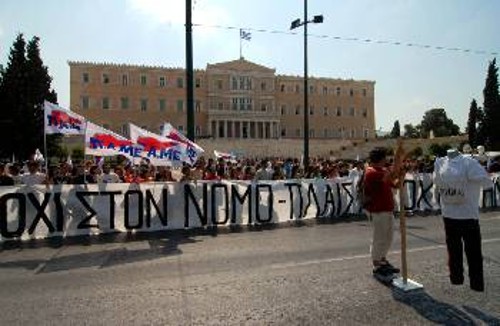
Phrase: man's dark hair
(377,154)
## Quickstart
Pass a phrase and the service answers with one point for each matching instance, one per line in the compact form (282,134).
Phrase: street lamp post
(297,23)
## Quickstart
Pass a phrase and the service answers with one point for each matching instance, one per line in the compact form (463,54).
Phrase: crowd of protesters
(88,172)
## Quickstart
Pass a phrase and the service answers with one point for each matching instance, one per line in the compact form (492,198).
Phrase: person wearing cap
(378,183)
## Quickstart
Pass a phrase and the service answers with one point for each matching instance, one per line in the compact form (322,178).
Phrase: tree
(438,150)
(396,130)
(491,108)
(437,121)
(25,84)
(411,131)
(472,123)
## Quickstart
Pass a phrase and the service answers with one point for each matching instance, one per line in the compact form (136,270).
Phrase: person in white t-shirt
(108,176)
(459,179)
(34,176)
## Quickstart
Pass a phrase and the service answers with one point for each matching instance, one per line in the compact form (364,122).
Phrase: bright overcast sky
(409,80)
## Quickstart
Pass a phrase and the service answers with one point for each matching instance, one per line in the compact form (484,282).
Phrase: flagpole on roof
(241,39)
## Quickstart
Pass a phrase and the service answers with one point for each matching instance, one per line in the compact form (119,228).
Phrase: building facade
(237,99)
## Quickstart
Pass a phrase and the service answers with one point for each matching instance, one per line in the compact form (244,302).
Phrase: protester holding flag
(378,184)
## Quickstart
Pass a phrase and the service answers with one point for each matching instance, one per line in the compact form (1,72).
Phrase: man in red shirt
(379,202)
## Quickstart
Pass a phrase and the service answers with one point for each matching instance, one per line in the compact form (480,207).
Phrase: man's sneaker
(382,270)
(391,268)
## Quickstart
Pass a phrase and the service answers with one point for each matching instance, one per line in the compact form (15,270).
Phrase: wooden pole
(402,227)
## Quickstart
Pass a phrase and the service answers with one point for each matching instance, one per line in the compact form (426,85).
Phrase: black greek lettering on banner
(235,197)
(140,209)
(81,197)
(213,191)
(189,196)
(40,212)
(290,187)
(312,191)
(59,212)
(21,217)
(329,201)
(150,201)
(270,200)
(423,194)
(349,194)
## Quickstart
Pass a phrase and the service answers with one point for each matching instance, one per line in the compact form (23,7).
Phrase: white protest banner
(66,210)
(58,120)
(100,141)
(160,151)
(170,132)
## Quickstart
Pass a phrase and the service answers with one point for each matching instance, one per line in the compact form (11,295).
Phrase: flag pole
(402,283)
(45,150)
(241,53)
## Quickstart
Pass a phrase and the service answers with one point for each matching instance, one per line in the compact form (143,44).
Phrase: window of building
(180,105)
(85,102)
(297,110)
(364,112)
(325,133)
(283,132)
(311,110)
(219,83)
(197,106)
(339,111)
(282,88)
(234,83)
(311,133)
(364,92)
(124,103)
(180,82)
(365,133)
(144,80)
(297,88)
(105,103)
(351,111)
(197,82)
(248,83)
(144,105)
(85,77)
(162,81)
(220,106)
(297,132)
(325,111)
(105,78)
(325,90)
(353,133)
(311,89)
(351,92)
(249,104)
(235,104)
(124,80)
(340,133)
(283,110)
(198,131)
(162,105)
(263,86)
(263,107)
(338,91)
(180,128)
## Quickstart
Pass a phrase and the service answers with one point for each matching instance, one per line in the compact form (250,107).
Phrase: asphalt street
(314,273)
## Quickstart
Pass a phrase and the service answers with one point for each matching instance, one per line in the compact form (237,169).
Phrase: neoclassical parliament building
(236,99)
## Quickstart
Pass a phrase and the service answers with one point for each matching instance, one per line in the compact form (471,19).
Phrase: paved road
(312,274)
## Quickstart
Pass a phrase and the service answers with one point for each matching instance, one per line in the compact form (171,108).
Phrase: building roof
(241,65)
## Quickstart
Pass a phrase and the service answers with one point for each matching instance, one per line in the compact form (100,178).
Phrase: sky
(409,79)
